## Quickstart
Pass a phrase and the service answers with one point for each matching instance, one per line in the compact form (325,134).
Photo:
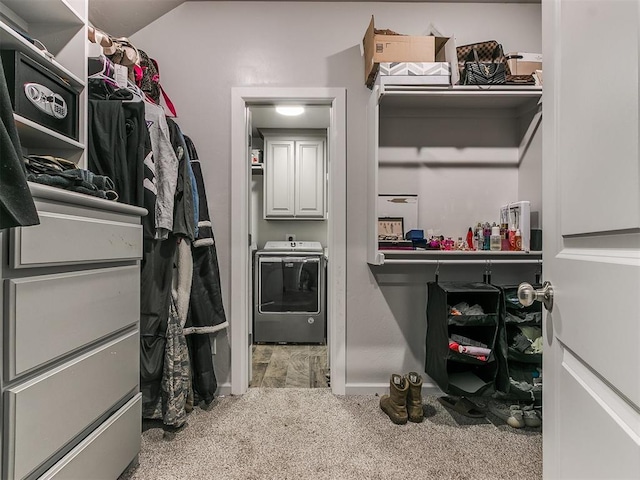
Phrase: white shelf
(45,11)
(443,257)
(36,136)
(422,137)
(449,156)
(11,40)
(495,97)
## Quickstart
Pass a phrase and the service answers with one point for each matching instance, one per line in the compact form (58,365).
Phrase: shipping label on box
(384,46)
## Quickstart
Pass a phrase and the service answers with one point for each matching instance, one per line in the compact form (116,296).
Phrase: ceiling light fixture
(290,111)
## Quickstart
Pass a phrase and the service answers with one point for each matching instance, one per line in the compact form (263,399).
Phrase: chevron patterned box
(415,73)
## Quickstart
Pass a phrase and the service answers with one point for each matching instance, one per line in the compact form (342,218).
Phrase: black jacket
(16,204)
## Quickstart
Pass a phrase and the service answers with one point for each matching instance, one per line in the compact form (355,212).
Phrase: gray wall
(206,48)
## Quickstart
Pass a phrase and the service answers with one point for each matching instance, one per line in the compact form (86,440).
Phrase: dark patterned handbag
(486,51)
(493,72)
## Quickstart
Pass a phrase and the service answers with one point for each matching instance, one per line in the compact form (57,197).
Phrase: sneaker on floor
(516,417)
(512,415)
(531,418)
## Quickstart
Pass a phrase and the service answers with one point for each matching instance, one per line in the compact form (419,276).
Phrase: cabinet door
(280,179)
(310,178)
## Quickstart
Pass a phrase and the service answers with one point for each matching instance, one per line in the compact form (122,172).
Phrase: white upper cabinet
(295,177)
(310,178)
(280,180)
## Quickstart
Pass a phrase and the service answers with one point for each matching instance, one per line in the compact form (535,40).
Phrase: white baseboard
(224,389)
(383,388)
(356,389)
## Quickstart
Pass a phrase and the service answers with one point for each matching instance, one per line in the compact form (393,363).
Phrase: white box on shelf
(414,73)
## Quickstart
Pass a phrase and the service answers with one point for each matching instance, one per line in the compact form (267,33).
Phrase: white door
(310,178)
(591,224)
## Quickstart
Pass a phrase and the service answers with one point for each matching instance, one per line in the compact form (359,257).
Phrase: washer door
(289,284)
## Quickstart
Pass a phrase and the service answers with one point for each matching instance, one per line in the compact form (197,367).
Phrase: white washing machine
(289,293)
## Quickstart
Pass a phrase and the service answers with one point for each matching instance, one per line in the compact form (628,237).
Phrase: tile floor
(289,366)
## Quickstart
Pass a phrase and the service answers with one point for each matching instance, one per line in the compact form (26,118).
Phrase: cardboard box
(385,46)
(521,63)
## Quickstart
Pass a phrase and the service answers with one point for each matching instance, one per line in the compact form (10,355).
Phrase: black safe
(40,95)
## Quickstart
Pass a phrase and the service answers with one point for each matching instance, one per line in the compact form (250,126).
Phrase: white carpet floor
(283,433)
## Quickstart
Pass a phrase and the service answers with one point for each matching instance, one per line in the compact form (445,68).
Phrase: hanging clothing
(107,146)
(156,275)
(176,379)
(176,372)
(138,142)
(203,375)
(184,206)
(118,139)
(206,313)
(166,164)
(149,188)
(16,203)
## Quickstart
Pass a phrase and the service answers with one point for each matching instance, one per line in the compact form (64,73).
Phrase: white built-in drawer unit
(79,239)
(70,357)
(81,307)
(105,453)
(45,413)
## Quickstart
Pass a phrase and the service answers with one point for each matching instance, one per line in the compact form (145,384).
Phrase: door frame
(241,98)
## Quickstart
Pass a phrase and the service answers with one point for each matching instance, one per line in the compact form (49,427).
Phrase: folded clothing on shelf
(61,173)
(463,308)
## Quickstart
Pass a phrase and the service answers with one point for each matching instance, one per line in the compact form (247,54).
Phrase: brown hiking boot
(414,397)
(395,404)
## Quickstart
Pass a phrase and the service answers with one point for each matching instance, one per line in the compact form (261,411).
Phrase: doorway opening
(321,344)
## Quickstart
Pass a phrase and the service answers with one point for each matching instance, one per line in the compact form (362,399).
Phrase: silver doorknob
(527,295)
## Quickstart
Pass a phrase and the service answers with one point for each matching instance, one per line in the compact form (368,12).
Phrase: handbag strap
(475,55)
(497,53)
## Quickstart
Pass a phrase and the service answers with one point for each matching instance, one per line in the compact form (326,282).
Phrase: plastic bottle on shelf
(512,238)
(504,234)
(518,240)
(479,237)
(496,241)
(487,236)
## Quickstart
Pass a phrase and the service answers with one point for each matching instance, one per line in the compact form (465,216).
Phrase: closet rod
(453,262)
